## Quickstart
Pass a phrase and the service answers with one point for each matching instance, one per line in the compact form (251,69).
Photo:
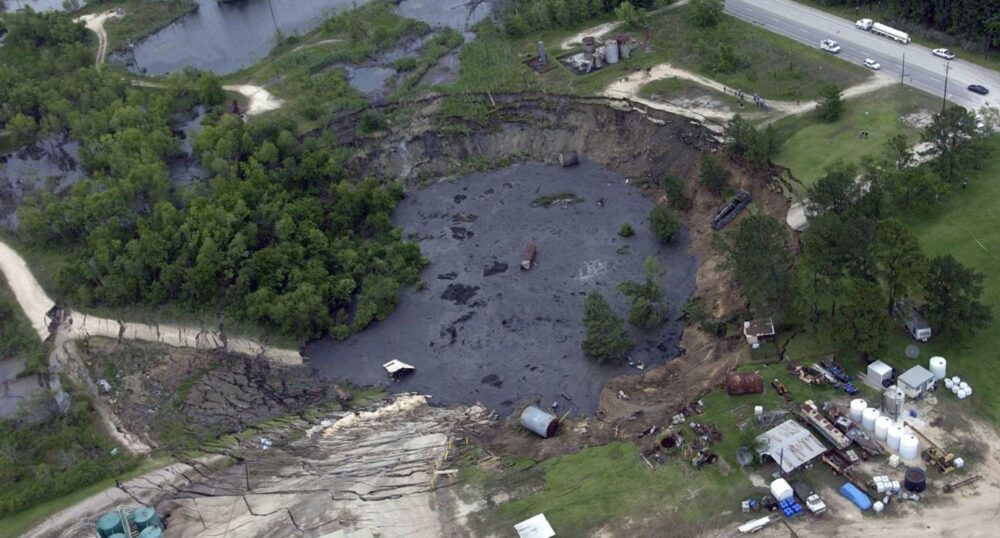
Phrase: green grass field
(811,146)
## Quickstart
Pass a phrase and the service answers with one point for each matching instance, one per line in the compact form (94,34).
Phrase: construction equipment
(944,461)
(949,488)
(779,387)
(807,374)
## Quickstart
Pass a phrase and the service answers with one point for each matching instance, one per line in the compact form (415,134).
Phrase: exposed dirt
(157,389)
(95,23)
(261,100)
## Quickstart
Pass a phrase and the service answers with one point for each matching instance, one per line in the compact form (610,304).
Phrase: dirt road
(95,23)
(628,87)
(602,29)
(36,303)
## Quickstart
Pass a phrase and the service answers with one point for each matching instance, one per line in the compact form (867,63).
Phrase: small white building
(878,373)
(757,331)
(915,381)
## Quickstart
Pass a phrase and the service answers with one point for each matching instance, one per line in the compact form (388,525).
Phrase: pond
(484,330)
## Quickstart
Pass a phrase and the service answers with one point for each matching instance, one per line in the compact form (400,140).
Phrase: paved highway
(923,70)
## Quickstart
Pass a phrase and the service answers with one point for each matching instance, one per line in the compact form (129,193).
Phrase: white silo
(882,424)
(938,367)
(909,447)
(868,418)
(893,436)
(858,407)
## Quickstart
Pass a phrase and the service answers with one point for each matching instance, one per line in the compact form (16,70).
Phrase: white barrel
(894,459)
(968,392)
(956,380)
(938,367)
(959,463)
(909,447)
(758,411)
(868,418)
(948,383)
(955,388)
(895,486)
(964,385)
(893,436)
(882,427)
(878,506)
(858,407)
(611,51)
(961,394)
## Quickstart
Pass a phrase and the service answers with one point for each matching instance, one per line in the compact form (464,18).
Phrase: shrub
(626,230)
(663,224)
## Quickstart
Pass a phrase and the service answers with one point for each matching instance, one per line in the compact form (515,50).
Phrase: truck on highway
(809,497)
(878,28)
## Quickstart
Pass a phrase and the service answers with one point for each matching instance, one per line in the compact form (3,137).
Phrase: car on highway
(872,64)
(830,46)
(943,53)
(976,88)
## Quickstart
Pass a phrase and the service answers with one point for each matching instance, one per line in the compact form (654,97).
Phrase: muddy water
(46,165)
(483,330)
(225,37)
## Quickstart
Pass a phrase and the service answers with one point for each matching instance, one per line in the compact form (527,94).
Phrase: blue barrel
(145,516)
(151,532)
(110,524)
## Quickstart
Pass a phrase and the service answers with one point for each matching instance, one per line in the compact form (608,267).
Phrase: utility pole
(277,35)
(902,72)
(944,98)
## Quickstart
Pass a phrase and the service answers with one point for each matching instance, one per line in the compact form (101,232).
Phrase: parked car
(943,53)
(976,88)
(872,64)
(830,46)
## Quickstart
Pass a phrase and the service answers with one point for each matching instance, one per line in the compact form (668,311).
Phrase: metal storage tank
(915,479)
(938,367)
(858,407)
(882,424)
(909,447)
(145,516)
(110,524)
(868,418)
(151,532)
(611,51)
(892,401)
(538,421)
(893,437)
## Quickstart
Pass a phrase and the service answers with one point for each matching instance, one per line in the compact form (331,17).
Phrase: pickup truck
(813,502)
(830,46)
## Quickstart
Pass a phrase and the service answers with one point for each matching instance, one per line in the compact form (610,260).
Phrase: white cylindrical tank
(882,424)
(868,418)
(611,51)
(858,407)
(938,367)
(893,437)
(909,447)
(878,506)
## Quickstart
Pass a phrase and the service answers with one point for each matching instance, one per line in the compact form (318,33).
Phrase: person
(965,183)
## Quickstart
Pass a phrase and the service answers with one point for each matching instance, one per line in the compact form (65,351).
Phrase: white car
(872,64)
(830,46)
(943,53)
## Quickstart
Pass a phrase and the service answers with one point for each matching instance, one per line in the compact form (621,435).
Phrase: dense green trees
(757,147)
(663,223)
(956,144)
(713,175)
(632,18)
(606,339)
(708,12)
(862,323)
(758,254)
(953,298)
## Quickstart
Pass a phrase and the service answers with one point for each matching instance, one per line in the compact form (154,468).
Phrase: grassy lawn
(917,33)
(142,18)
(811,146)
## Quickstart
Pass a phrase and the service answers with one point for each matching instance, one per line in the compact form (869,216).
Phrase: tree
(674,188)
(714,176)
(21,129)
(898,151)
(757,253)
(862,323)
(830,105)
(835,192)
(646,298)
(626,230)
(708,12)
(757,147)
(953,293)
(958,146)
(606,339)
(663,223)
(632,17)
(899,261)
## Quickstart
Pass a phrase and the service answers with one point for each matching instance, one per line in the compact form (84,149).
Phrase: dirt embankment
(642,143)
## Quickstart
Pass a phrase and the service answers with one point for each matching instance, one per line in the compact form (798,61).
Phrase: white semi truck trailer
(883,30)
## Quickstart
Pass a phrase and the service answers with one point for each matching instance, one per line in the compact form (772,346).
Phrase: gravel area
(484,330)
